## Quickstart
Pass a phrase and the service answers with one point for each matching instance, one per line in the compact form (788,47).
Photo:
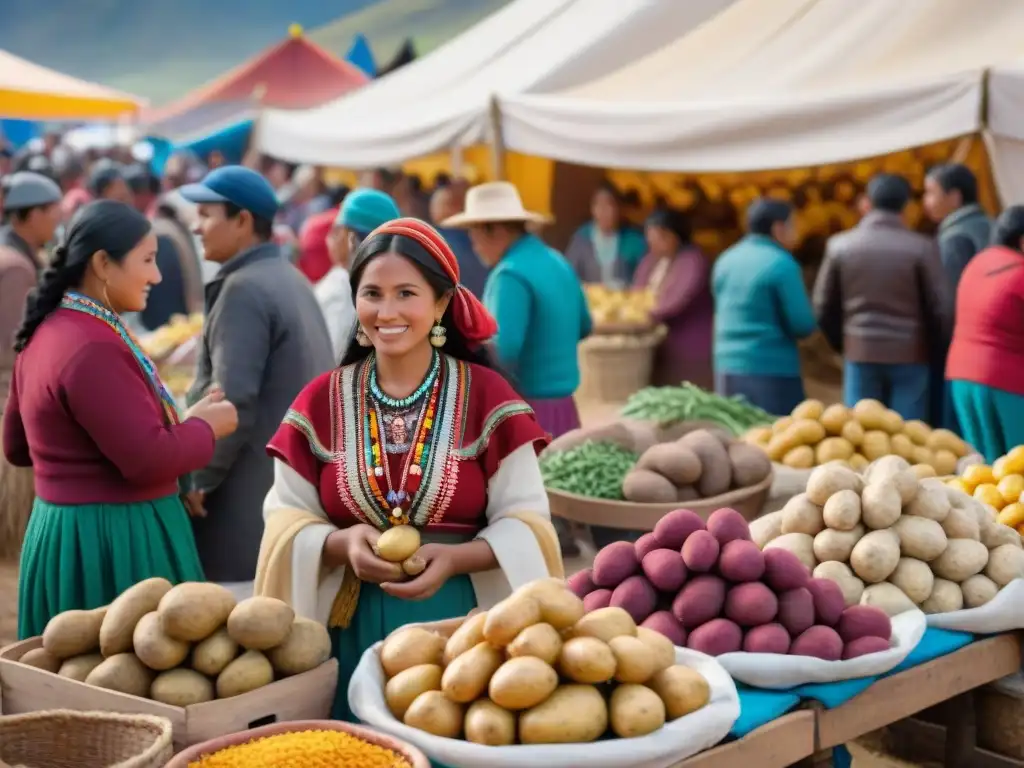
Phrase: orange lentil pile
(305,749)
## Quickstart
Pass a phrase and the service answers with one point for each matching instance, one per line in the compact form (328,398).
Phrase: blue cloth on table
(759,707)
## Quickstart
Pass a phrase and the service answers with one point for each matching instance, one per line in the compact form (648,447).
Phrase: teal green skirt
(378,614)
(992,420)
(83,556)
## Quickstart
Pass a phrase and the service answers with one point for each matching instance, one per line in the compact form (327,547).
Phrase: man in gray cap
(31,214)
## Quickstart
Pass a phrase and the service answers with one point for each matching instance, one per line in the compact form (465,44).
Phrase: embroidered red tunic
(479,420)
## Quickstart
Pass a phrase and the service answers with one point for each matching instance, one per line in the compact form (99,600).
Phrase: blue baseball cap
(238,185)
(366,209)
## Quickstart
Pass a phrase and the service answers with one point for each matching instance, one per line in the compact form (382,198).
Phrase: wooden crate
(308,696)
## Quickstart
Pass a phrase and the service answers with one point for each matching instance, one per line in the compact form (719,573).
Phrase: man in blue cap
(264,339)
(362,212)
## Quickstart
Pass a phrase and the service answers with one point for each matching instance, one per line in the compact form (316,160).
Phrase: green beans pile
(688,402)
(591,469)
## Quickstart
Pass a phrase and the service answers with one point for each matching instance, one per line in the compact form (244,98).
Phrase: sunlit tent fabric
(29,91)
(786,83)
(294,74)
(443,99)
(1006,129)
(405,55)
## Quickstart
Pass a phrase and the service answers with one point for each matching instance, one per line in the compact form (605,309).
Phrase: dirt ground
(8,602)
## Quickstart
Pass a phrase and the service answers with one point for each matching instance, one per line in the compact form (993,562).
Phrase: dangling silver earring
(438,335)
(362,339)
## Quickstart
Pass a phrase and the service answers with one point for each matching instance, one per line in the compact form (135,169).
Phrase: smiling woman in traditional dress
(415,428)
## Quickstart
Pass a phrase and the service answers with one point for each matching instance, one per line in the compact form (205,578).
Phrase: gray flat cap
(26,189)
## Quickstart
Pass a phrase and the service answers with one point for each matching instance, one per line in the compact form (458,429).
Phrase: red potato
(599,598)
(741,561)
(675,528)
(751,604)
(636,597)
(668,625)
(700,601)
(728,525)
(700,552)
(819,642)
(862,646)
(614,564)
(796,610)
(768,638)
(645,545)
(829,602)
(582,583)
(859,621)
(665,569)
(716,637)
(783,570)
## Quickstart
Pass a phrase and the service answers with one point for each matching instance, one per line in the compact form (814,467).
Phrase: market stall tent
(29,91)
(443,99)
(294,74)
(1005,122)
(781,84)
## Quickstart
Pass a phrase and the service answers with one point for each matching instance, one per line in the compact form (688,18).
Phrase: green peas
(592,469)
(688,402)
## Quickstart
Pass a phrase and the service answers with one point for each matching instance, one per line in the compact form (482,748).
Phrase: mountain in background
(160,50)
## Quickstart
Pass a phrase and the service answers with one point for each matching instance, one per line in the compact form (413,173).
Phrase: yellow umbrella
(32,92)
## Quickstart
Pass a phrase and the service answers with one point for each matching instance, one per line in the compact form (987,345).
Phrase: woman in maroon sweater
(985,366)
(88,412)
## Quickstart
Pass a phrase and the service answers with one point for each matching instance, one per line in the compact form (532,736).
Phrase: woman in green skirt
(413,429)
(88,412)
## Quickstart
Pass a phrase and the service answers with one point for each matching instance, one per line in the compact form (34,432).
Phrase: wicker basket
(643,517)
(66,739)
(614,367)
(413,756)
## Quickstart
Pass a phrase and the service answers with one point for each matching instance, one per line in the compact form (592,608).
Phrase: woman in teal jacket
(606,249)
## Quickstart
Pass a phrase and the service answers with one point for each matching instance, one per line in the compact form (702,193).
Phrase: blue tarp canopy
(361,55)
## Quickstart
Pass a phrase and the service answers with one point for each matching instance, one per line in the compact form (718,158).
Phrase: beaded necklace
(420,391)
(79,303)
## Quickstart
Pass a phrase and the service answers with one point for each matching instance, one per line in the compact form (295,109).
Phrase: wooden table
(780,743)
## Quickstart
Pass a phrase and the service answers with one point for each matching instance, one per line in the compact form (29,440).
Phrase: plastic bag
(1002,613)
(779,671)
(676,741)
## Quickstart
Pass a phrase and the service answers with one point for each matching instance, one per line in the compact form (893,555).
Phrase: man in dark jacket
(264,339)
(951,201)
(881,300)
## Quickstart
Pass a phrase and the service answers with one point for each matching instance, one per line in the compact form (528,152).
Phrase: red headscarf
(470,316)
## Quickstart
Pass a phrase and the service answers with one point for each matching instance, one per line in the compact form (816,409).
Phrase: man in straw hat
(538,302)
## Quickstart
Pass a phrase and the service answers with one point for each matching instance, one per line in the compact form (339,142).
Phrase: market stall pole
(948,681)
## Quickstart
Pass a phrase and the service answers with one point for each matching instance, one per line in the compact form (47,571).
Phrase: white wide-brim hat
(491,203)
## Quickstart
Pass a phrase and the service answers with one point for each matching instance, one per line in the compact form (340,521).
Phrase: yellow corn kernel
(309,749)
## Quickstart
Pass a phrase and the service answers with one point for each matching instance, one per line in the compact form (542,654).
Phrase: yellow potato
(126,610)
(40,658)
(211,655)
(635,710)
(943,439)
(809,409)
(586,660)
(870,413)
(540,640)
(573,714)
(181,688)
(260,623)
(433,713)
(398,543)
(510,617)
(489,724)
(917,431)
(834,418)
(944,462)
(801,457)
(154,647)
(833,449)
(468,675)
(559,608)
(469,633)
(123,672)
(683,690)
(876,444)
(402,689)
(634,662)
(1011,488)
(73,633)
(892,422)
(605,623)
(194,611)
(522,683)
(903,447)
(660,648)
(248,672)
(781,425)
(853,433)
(307,646)
(409,647)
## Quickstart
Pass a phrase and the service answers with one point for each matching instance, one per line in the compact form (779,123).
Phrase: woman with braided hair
(414,428)
(88,412)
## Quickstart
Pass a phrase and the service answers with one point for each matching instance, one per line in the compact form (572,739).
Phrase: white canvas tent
(786,83)
(1006,129)
(443,100)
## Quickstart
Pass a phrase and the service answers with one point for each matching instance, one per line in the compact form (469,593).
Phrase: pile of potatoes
(181,645)
(709,587)
(813,435)
(699,465)
(893,540)
(1000,486)
(535,670)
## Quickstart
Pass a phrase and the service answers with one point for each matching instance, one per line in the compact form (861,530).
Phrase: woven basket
(630,515)
(66,739)
(614,367)
(413,756)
